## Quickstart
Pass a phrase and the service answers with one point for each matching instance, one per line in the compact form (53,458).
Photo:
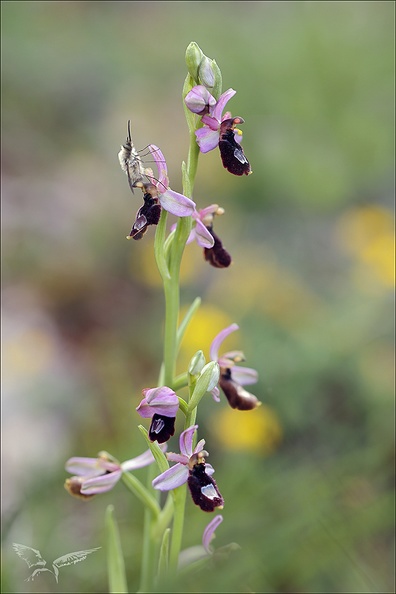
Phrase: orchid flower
(199,98)
(161,405)
(232,376)
(218,129)
(192,469)
(99,475)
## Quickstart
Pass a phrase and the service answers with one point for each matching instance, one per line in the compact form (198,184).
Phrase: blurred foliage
(308,478)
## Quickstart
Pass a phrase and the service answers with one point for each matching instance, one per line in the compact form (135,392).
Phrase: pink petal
(222,102)
(216,394)
(244,375)
(101,484)
(203,237)
(209,533)
(207,139)
(162,401)
(199,447)
(214,347)
(204,212)
(140,461)
(170,479)
(176,203)
(162,182)
(180,458)
(210,122)
(89,466)
(186,440)
(198,98)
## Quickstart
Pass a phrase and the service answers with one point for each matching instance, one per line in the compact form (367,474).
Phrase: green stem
(150,543)
(179,499)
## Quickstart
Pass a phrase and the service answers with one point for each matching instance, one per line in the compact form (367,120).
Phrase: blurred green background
(308,477)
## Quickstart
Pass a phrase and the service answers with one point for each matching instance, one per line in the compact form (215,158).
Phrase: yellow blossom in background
(258,431)
(368,233)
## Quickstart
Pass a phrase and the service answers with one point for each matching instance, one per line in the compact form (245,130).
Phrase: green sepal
(208,379)
(158,454)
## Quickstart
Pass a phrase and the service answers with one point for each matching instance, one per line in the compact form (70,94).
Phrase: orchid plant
(162,555)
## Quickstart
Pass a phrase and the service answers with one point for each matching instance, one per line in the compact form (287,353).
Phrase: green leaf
(187,319)
(163,563)
(115,558)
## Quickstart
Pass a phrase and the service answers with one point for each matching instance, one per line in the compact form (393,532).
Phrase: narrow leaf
(187,319)
(115,558)
(141,493)
(163,563)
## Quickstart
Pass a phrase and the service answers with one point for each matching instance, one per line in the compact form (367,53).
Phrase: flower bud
(206,74)
(194,56)
(208,379)
(197,363)
(209,75)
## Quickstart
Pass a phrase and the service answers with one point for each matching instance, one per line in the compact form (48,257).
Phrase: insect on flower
(131,162)
(148,214)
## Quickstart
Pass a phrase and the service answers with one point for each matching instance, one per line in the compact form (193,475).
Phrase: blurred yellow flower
(368,233)
(257,431)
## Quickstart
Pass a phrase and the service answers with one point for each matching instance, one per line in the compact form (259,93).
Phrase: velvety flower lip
(148,214)
(99,475)
(175,203)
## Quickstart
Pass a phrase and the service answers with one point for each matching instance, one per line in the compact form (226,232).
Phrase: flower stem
(150,544)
